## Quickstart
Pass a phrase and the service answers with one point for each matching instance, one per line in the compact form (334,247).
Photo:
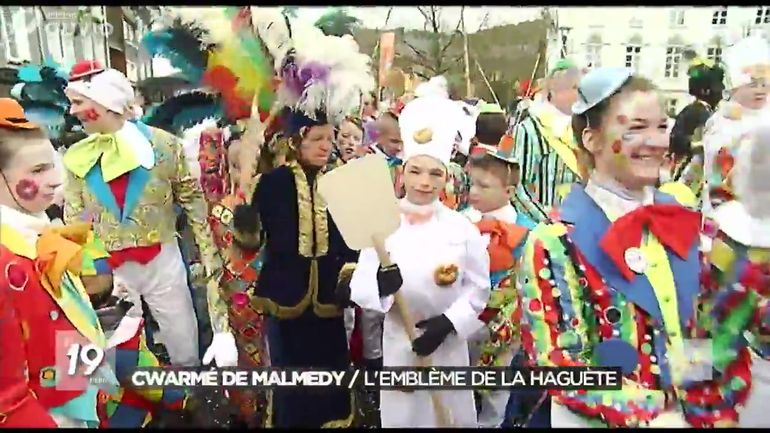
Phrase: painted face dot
(27,189)
(622,119)
(616,146)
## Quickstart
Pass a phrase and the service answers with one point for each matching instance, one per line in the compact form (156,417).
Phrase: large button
(635,260)
(612,315)
(54,315)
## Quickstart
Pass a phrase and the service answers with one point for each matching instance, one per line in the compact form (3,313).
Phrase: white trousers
(163,284)
(755,413)
(562,417)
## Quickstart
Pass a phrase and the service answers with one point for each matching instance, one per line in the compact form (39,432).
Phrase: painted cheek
(616,147)
(91,115)
(27,189)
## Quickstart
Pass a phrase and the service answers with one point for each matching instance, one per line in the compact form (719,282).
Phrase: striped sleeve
(528,154)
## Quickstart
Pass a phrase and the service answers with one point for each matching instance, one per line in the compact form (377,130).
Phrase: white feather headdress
(324,74)
(191,144)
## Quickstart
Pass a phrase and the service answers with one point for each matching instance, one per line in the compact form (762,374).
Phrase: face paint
(27,189)
(622,119)
(616,146)
(91,115)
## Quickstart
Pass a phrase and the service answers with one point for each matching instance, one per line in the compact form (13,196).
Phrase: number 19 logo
(89,355)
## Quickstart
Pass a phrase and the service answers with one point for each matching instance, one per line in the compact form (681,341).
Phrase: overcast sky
(408,17)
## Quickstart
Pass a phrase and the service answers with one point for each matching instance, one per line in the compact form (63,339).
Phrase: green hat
(563,65)
(491,108)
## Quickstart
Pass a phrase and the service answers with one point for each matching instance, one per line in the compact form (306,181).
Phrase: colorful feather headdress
(324,74)
(215,48)
(183,111)
(40,91)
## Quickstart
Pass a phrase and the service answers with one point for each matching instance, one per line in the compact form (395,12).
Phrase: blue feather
(30,74)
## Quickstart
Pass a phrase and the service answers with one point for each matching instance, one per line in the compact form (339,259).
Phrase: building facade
(67,34)
(651,40)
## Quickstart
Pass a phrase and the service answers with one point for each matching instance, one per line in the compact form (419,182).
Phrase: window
(673,60)
(87,42)
(13,32)
(720,16)
(632,56)
(671,107)
(763,15)
(714,54)
(677,17)
(53,42)
(594,54)
(131,72)
(129,35)
(8,34)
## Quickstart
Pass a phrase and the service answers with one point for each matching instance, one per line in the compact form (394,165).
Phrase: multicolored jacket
(578,309)
(502,314)
(129,407)
(148,217)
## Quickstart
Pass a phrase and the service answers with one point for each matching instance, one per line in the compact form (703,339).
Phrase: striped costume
(546,151)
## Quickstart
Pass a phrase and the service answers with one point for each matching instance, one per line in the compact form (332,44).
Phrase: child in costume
(613,280)
(441,268)
(126,177)
(493,177)
(748,72)
(545,145)
(41,296)
(740,266)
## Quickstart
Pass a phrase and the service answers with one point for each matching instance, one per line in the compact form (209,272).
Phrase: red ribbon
(675,227)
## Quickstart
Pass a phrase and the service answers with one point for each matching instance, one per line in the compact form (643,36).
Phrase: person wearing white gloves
(126,177)
(441,270)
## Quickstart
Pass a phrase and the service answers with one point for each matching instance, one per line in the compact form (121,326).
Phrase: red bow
(675,227)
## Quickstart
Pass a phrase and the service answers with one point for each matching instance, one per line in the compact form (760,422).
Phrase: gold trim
(344,422)
(324,311)
(311,208)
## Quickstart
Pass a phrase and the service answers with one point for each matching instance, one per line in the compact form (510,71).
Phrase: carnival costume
(597,291)
(739,260)
(429,239)
(127,183)
(322,78)
(506,231)
(686,148)
(546,150)
(747,62)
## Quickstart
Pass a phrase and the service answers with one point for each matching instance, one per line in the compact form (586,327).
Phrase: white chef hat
(745,59)
(436,86)
(109,88)
(427,128)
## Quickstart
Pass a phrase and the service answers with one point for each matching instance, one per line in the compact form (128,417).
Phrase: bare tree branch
(484,22)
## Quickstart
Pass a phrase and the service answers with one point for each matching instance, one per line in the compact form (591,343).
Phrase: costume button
(635,260)
(54,315)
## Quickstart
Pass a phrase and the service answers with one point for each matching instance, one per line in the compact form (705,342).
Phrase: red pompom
(85,68)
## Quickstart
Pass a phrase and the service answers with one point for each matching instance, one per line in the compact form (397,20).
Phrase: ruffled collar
(614,199)
(28,226)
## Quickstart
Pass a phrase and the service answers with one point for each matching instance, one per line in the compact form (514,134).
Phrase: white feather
(272,31)
(191,144)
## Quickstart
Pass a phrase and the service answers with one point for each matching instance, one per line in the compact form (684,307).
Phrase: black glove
(389,280)
(436,331)
(342,291)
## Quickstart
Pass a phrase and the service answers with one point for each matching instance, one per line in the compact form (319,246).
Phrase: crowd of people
(579,230)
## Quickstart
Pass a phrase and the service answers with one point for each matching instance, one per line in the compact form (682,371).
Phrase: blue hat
(598,85)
